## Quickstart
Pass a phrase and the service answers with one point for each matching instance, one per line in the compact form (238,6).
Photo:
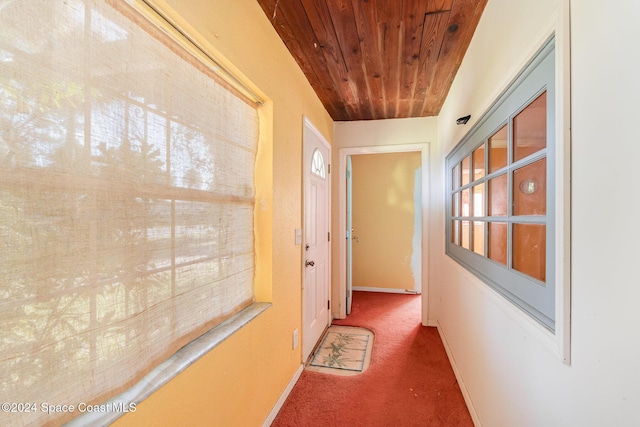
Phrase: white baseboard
(386,290)
(283,397)
(463,387)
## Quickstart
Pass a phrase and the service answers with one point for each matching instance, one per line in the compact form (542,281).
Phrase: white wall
(511,377)
(369,133)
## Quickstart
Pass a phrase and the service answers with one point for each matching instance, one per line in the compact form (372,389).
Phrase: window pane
(529,250)
(498,199)
(455,204)
(465,234)
(478,237)
(455,232)
(466,165)
(317,164)
(465,202)
(478,200)
(530,129)
(498,150)
(478,163)
(497,244)
(455,177)
(530,189)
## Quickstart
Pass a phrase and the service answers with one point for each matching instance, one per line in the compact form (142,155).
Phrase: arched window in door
(317,165)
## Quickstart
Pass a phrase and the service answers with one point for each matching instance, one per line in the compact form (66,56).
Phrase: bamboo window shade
(126,201)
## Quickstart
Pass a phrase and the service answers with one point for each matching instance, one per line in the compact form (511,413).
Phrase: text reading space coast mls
(81,407)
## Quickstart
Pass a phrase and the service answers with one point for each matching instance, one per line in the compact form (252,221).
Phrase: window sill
(173,366)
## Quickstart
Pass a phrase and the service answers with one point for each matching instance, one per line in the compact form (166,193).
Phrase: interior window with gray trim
(501,192)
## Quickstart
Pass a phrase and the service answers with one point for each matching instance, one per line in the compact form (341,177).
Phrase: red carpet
(409,382)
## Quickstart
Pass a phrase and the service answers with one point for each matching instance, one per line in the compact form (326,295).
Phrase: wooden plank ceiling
(377,59)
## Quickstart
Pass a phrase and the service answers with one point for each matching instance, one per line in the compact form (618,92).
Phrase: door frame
(308,125)
(343,153)
(348,207)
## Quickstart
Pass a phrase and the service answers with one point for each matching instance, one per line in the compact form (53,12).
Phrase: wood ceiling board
(463,20)
(344,22)
(411,35)
(389,26)
(314,66)
(366,17)
(327,44)
(438,5)
(435,25)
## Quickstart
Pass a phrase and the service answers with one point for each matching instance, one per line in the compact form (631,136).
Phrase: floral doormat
(344,350)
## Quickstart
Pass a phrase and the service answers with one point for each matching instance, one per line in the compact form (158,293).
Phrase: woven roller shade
(126,201)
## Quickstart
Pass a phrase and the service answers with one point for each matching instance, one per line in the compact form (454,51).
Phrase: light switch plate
(298,236)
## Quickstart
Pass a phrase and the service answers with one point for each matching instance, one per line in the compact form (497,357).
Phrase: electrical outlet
(295,339)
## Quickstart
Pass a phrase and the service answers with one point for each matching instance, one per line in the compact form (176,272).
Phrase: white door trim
(423,148)
(308,125)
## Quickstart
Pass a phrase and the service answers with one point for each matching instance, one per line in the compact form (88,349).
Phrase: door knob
(308,263)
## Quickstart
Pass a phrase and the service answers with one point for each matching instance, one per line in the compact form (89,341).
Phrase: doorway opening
(384,221)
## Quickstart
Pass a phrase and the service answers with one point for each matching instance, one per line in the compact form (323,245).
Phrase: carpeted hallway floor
(410,381)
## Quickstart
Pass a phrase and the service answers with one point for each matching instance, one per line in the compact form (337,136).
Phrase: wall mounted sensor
(463,120)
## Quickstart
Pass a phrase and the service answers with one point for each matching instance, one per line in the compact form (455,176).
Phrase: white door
(316,259)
